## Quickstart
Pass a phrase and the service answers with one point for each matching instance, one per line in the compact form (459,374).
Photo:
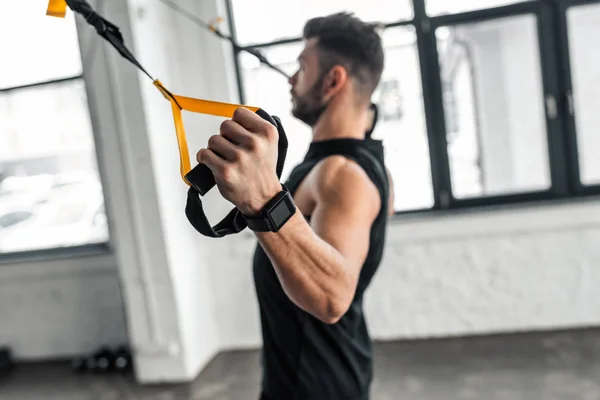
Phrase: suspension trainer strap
(199,179)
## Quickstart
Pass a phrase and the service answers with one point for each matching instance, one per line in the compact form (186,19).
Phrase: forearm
(311,271)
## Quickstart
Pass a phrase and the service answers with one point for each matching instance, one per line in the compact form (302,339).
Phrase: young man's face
(307,86)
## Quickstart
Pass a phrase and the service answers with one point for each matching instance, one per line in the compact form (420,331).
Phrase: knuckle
(253,143)
(226,173)
(238,113)
(271,132)
(226,125)
(213,140)
(236,155)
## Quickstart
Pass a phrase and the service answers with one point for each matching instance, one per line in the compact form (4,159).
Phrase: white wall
(491,271)
(60,308)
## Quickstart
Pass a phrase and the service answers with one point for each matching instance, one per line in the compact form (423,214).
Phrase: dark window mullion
(565,4)
(434,111)
(555,109)
(486,13)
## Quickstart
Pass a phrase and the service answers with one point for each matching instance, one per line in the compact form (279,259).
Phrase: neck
(339,122)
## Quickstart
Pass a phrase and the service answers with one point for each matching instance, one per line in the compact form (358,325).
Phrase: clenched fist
(243,159)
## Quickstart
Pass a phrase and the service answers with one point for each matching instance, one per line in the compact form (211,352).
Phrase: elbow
(331,319)
(334,311)
(337,304)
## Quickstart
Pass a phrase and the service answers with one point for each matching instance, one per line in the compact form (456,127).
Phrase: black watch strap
(274,214)
(258,224)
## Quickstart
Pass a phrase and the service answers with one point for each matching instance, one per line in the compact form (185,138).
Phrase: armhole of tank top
(381,175)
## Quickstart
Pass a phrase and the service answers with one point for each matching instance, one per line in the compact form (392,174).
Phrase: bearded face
(309,106)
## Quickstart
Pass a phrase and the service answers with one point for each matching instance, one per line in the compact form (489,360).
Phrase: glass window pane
(584,29)
(262,21)
(50,192)
(441,7)
(494,107)
(35,47)
(402,120)
(402,124)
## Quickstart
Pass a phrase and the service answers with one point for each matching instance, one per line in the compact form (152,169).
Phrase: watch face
(281,212)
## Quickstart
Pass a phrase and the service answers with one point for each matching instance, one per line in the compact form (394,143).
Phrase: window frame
(566,82)
(76,251)
(548,76)
(555,72)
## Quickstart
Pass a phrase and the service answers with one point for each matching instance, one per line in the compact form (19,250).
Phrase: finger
(250,120)
(211,160)
(236,133)
(223,148)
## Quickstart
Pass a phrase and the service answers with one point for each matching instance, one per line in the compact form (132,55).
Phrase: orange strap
(57,8)
(200,106)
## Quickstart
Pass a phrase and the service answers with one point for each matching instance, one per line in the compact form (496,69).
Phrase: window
(48,171)
(495,71)
(402,121)
(481,102)
(40,48)
(584,26)
(270,20)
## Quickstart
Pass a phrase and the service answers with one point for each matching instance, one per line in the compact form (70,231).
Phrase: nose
(292,79)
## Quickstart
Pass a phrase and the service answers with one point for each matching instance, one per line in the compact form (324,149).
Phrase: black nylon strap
(201,177)
(106,29)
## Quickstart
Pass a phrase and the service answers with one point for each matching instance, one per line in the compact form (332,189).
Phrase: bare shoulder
(342,181)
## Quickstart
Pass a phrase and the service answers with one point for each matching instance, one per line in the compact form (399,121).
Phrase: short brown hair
(343,39)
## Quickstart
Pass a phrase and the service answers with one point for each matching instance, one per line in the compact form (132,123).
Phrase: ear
(334,81)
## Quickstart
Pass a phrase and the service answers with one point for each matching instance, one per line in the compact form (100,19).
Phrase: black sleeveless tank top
(302,357)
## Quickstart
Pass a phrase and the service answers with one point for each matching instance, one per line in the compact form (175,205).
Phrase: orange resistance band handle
(201,176)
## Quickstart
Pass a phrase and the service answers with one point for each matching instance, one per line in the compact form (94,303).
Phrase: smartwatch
(274,214)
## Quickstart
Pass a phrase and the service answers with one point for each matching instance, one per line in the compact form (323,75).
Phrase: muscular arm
(318,264)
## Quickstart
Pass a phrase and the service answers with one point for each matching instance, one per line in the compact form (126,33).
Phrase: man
(311,275)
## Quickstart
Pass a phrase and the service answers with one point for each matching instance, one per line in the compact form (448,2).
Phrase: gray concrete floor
(548,366)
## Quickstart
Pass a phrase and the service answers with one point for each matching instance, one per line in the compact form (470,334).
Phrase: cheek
(302,85)
(299,82)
